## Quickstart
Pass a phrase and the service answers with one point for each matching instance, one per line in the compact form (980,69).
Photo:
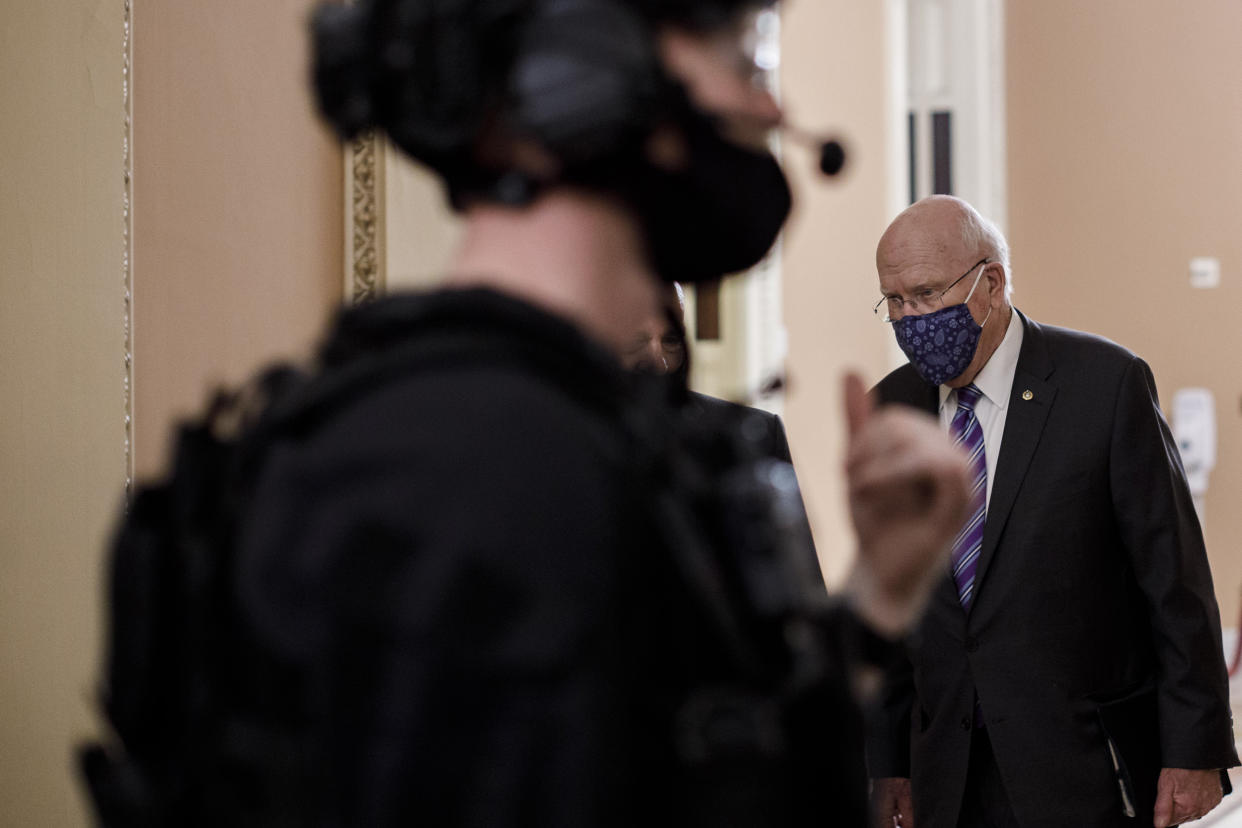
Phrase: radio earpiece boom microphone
(831,152)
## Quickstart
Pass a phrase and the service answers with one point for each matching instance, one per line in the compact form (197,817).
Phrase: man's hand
(1183,795)
(891,803)
(908,494)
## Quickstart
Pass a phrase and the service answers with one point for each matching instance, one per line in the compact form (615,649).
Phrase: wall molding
(127,237)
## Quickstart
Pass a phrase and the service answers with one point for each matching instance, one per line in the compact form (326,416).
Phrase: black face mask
(719,215)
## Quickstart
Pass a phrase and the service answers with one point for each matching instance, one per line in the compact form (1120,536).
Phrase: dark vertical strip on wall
(942,153)
(913,128)
(707,311)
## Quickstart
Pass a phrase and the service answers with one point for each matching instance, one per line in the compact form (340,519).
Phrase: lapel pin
(1027,395)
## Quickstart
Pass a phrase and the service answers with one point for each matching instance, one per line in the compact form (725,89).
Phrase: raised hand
(908,495)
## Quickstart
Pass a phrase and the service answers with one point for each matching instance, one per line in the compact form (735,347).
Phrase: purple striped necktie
(968,433)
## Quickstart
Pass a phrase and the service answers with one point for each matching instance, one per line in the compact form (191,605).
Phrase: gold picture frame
(364,219)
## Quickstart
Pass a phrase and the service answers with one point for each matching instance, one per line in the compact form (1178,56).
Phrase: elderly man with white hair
(1068,671)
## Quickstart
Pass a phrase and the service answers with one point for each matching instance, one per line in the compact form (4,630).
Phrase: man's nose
(915,307)
(764,108)
(754,117)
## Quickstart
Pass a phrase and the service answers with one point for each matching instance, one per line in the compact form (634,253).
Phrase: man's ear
(532,158)
(499,148)
(667,149)
(996,276)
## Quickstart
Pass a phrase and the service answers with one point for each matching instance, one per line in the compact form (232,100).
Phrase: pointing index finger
(858,405)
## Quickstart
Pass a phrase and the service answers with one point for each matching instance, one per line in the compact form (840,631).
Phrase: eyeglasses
(750,46)
(926,300)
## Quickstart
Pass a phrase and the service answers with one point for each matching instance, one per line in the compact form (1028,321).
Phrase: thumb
(858,405)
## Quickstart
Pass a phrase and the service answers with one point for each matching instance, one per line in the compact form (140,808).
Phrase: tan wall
(237,255)
(421,232)
(62,431)
(238,226)
(1125,160)
(833,80)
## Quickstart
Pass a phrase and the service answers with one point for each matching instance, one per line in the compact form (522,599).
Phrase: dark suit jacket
(769,431)
(843,786)
(762,430)
(1093,609)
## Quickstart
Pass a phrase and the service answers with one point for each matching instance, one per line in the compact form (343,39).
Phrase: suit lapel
(1030,400)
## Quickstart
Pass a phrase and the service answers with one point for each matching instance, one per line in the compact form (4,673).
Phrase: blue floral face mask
(942,343)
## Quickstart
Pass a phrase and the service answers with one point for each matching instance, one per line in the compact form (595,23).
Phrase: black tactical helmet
(697,14)
(579,76)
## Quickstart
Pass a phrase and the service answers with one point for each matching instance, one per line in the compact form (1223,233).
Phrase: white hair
(681,295)
(979,233)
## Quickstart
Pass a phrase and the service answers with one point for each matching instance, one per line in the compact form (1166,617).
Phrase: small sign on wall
(1205,272)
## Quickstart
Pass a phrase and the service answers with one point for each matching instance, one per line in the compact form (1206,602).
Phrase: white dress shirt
(995,381)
